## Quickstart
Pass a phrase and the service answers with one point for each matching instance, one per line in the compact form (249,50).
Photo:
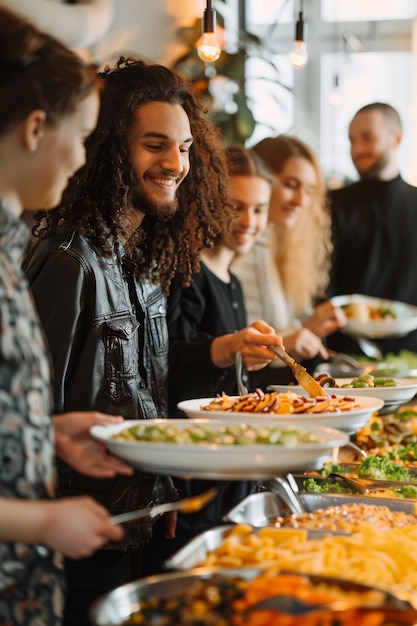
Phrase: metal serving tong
(363,485)
(241,387)
(300,373)
(186,505)
(291,605)
(280,486)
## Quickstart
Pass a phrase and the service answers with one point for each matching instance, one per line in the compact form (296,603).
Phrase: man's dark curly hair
(99,195)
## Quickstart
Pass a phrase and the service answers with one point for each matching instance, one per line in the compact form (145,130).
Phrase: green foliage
(234,114)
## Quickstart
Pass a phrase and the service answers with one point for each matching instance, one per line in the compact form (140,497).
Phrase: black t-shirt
(197,314)
(207,309)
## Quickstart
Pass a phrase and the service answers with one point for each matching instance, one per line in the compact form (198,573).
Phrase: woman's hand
(303,344)
(76,446)
(77,526)
(252,342)
(74,526)
(325,319)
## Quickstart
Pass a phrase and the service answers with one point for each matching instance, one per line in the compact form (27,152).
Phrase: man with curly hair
(151,196)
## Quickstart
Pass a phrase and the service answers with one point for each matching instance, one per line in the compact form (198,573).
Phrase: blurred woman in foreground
(49,104)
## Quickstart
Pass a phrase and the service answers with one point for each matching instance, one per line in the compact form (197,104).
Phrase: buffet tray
(196,550)
(261,509)
(119,606)
(352,468)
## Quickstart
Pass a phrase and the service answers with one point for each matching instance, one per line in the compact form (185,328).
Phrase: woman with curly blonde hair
(287,271)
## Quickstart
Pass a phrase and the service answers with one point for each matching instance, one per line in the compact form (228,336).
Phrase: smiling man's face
(160,141)
(373,142)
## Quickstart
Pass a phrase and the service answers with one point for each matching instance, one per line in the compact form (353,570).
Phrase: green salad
(230,434)
(374,468)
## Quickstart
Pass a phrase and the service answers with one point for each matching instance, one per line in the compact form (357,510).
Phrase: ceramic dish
(348,421)
(220,461)
(405,390)
(404,323)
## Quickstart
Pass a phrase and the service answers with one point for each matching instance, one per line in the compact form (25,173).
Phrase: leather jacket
(108,338)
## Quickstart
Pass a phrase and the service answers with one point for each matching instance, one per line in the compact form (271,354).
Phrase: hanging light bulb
(298,54)
(208,48)
(335,97)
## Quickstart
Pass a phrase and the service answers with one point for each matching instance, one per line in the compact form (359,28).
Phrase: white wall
(147,28)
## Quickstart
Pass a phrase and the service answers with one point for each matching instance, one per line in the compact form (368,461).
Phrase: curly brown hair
(100,194)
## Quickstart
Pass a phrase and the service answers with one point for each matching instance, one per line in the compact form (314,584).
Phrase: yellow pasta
(383,558)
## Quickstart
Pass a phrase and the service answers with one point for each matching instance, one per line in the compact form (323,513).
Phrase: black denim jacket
(107,355)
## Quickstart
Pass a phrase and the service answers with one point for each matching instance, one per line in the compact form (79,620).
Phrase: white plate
(223,462)
(403,392)
(405,323)
(348,421)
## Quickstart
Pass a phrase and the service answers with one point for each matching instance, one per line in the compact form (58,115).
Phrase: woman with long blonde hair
(287,271)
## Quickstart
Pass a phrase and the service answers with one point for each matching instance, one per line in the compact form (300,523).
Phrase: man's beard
(375,170)
(162,212)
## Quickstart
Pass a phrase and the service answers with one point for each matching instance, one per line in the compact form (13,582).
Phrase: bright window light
(367,10)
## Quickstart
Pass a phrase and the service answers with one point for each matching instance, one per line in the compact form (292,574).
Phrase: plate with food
(347,413)
(224,596)
(376,318)
(391,390)
(210,448)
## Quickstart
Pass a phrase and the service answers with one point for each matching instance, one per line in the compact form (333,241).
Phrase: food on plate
(368,380)
(281,403)
(227,434)
(393,364)
(371,555)
(221,600)
(393,436)
(364,312)
(364,381)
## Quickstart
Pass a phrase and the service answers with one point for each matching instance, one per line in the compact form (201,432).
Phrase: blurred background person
(374,223)
(286,271)
(207,328)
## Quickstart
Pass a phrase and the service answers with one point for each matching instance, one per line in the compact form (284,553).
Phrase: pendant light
(298,54)
(208,48)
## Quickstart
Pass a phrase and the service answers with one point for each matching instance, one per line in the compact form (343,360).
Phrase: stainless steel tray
(195,552)
(352,468)
(374,486)
(115,608)
(260,509)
